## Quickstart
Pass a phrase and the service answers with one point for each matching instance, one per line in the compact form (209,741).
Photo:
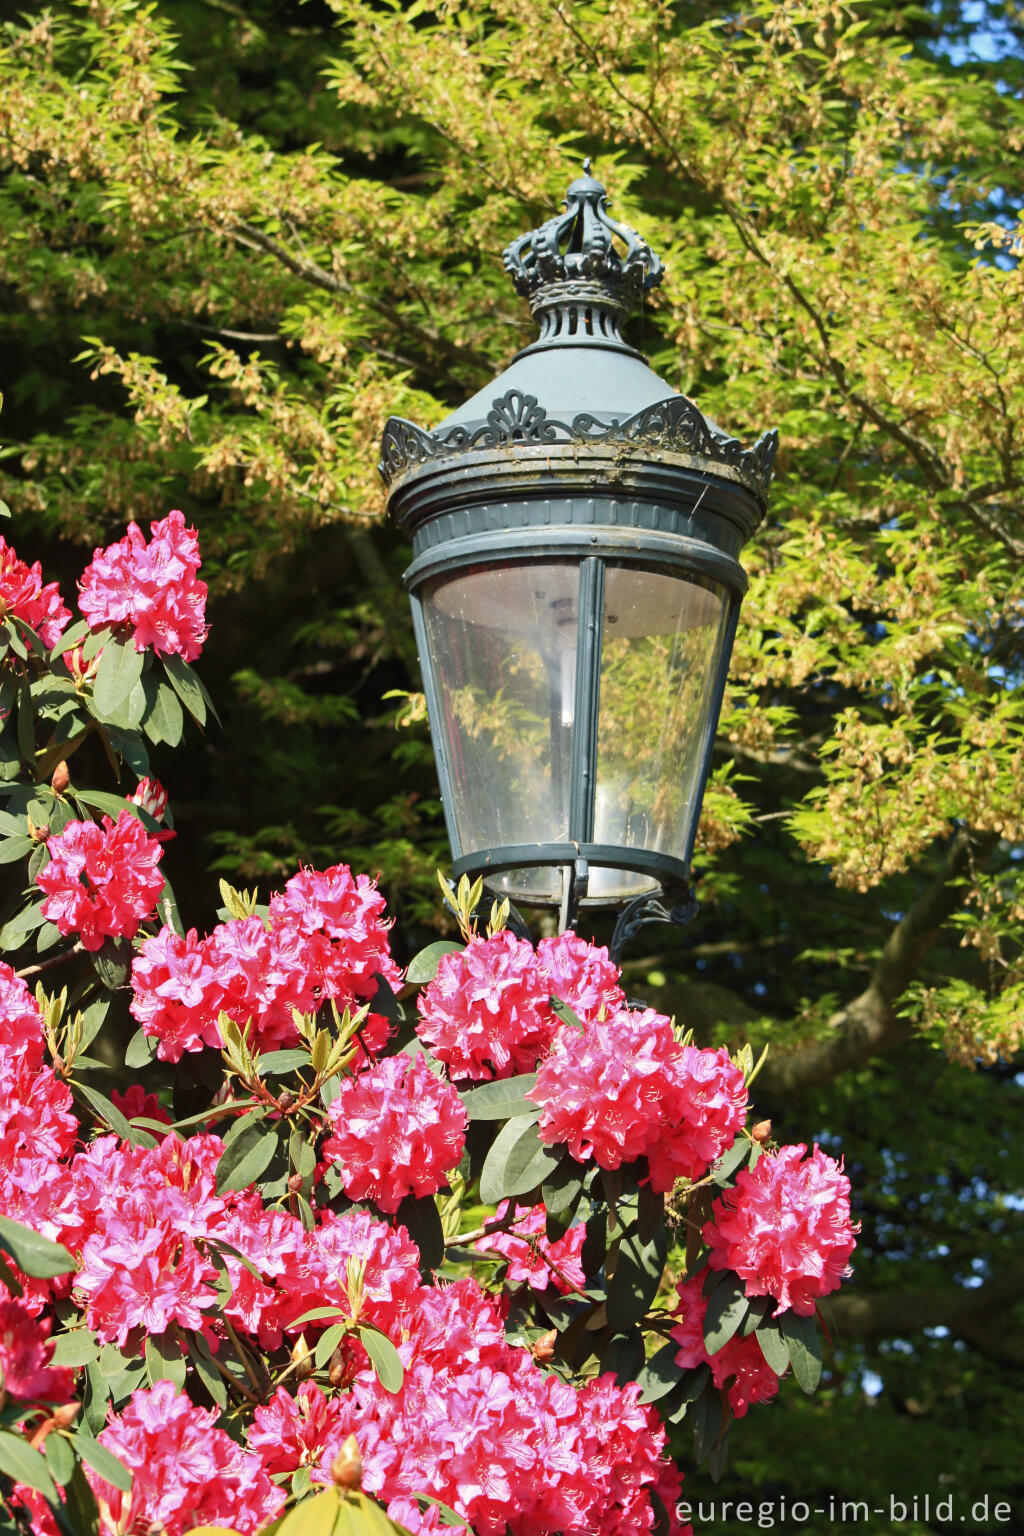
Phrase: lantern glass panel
(661,652)
(502,640)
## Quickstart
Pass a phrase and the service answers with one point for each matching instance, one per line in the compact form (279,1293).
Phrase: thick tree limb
(983,1316)
(869,1024)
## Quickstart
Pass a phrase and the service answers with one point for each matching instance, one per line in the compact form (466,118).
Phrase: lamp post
(575,586)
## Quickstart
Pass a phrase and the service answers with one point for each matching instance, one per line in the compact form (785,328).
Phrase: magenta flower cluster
(324,937)
(102,880)
(151,587)
(23,595)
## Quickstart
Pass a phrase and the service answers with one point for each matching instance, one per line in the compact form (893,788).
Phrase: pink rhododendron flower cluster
(785,1228)
(151,586)
(398,1130)
(291,1432)
(186,1472)
(487,1013)
(325,938)
(37,1126)
(532,1259)
(24,596)
(625,1088)
(102,881)
(479,1426)
(738,1364)
(26,1375)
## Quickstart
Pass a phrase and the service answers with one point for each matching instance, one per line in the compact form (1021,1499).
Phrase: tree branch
(982,1315)
(869,1024)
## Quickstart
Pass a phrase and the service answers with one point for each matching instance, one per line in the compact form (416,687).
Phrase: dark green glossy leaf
(249,1155)
(14,848)
(384,1358)
(186,685)
(141,1050)
(423,967)
(34,1255)
(517,1162)
(774,1347)
(19,1461)
(624,1355)
(163,720)
(119,672)
(101,1106)
(634,1285)
(103,1461)
(726,1310)
(565,1013)
(422,1221)
(60,1458)
(804,1344)
(501,1100)
(730,1161)
(659,1375)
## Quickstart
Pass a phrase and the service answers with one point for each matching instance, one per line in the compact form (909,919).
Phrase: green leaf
(328,1342)
(650,1212)
(565,1013)
(501,1100)
(516,1163)
(76,1347)
(423,967)
(34,1255)
(19,1461)
(773,1347)
(141,1050)
(804,1344)
(80,1514)
(206,1370)
(163,720)
(422,1221)
(317,1315)
(187,686)
(730,1161)
(120,670)
(109,805)
(14,848)
(17,928)
(726,1309)
(624,1355)
(102,1107)
(384,1357)
(595,1243)
(279,1062)
(249,1155)
(563,1187)
(634,1285)
(164,1360)
(60,1458)
(661,1373)
(103,1461)
(112,963)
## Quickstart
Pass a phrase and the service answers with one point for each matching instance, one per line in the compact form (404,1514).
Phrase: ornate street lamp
(575,587)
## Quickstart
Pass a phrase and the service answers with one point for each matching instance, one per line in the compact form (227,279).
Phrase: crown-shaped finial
(582,247)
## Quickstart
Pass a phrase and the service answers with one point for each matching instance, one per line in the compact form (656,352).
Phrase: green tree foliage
(236,238)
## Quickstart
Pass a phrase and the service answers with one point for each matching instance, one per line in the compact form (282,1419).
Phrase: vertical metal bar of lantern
(735,597)
(589,626)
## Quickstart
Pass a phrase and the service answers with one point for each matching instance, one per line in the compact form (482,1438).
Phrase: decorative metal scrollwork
(516,418)
(651,909)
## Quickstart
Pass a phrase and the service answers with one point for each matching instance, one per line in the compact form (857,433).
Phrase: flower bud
(303,1358)
(544,1348)
(762,1131)
(61,778)
(347,1466)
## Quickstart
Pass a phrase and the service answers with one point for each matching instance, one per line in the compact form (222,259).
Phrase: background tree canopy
(234,238)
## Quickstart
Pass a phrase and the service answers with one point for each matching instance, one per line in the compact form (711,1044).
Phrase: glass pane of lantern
(660,653)
(502,639)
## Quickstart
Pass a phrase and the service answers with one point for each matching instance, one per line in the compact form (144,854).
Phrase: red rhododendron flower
(23,596)
(135,1104)
(487,1012)
(581,975)
(176,992)
(150,796)
(185,1471)
(532,1260)
(151,586)
(26,1374)
(291,1432)
(37,1126)
(625,1088)
(785,1228)
(398,1130)
(101,881)
(739,1363)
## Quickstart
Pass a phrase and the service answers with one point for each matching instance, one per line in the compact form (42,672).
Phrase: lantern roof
(580,383)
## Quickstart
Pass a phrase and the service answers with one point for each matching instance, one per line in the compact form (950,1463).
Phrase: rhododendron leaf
(501,1100)
(650,1212)
(328,1342)
(9,1279)
(187,686)
(279,1062)
(112,963)
(562,1190)
(445,1513)
(34,1255)
(423,967)
(80,1514)
(759,1309)
(15,848)
(111,1362)
(15,642)
(718,1456)
(163,720)
(804,1344)
(165,1361)
(707,1419)
(95,643)
(565,1013)
(60,1458)
(103,1461)
(249,1155)
(595,1243)
(624,1355)
(634,1285)
(774,1347)
(19,1461)
(92,1020)
(726,1310)
(120,669)
(317,1315)
(516,1163)
(26,727)
(730,1161)
(207,1372)
(422,1221)
(102,1107)
(72,636)
(12,826)
(384,1357)
(76,1347)
(312,1517)
(385,1002)
(141,1050)
(657,1378)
